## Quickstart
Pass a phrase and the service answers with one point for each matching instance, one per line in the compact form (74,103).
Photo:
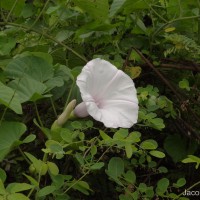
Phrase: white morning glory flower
(108,94)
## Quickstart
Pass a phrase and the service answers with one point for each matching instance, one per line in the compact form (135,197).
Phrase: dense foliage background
(43,46)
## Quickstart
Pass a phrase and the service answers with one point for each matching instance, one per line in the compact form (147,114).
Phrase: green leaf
(29,138)
(27,87)
(131,6)
(93,150)
(157,123)
(149,144)
(115,167)
(45,56)
(32,180)
(54,146)
(195,158)
(53,168)
(3,175)
(79,158)
(104,136)
(98,9)
(18,187)
(192,159)
(157,154)
(54,82)
(188,160)
(76,125)
(10,99)
(180,183)
(115,7)
(129,150)
(17,196)
(46,190)
(40,166)
(82,186)
(2,188)
(66,135)
(134,137)
(30,66)
(162,185)
(63,35)
(178,148)
(142,187)
(97,166)
(8,4)
(130,177)
(121,134)
(184,84)
(6,44)
(10,133)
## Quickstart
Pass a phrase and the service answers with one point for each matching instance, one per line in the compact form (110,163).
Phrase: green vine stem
(70,93)
(53,106)
(38,115)
(197,183)
(38,17)
(86,172)
(11,10)
(172,21)
(5,110)
(46,35)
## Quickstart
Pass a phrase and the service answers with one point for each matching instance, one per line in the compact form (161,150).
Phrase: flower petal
(119,113)
(109,94)
(94,77)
